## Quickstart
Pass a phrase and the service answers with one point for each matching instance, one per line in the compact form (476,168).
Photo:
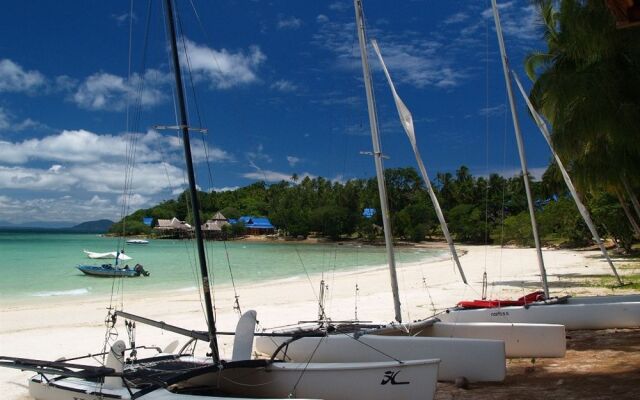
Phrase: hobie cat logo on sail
(390,376)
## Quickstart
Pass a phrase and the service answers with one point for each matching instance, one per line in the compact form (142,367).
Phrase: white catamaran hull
(475,359)
(578,313)
(336,381)
(79,389)
(328,381)
(520,340)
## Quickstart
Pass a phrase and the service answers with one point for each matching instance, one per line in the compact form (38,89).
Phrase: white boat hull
(336,381)
(475,359)
(578,313)
(328,381)
(78,389)
(520,340)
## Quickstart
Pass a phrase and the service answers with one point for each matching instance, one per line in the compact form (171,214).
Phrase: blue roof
(256,222)
(369,212)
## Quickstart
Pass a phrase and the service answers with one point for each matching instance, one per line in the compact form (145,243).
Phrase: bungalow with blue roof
(256,225)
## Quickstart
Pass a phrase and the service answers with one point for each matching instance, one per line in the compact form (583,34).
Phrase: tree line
(480,209)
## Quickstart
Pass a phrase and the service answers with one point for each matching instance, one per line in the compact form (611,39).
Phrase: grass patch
(632,282)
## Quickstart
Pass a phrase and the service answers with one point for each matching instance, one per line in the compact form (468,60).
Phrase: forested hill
(478,209)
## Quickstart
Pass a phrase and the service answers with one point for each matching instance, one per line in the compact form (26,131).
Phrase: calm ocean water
(43,265)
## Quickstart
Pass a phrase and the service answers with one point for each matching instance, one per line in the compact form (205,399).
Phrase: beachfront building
(256,225)
(213,227)
(173,228)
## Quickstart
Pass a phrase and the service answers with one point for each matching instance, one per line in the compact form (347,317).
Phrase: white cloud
(289,22)
(339,6)
(8,123)
(284,85)
(224,189)
(258,155)
(13,78)
(321,19)
(134,201)
(148,178)
(456,18)
(521,23)
(292,160)
(81,146)
(35,179)
(104,91)
(224,69)
(410,57)
(63,208)
(274,176)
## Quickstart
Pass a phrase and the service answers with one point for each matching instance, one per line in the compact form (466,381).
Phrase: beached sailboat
(451,342)
(580,312)
(185,377)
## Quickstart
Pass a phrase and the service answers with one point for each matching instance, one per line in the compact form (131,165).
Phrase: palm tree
(587,84)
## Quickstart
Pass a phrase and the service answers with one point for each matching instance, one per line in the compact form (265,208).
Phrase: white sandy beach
(56,327)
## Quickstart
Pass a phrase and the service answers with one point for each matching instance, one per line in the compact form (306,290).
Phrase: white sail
(106,256)
(407,124)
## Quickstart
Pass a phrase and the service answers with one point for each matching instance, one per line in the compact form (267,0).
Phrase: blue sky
(278,84)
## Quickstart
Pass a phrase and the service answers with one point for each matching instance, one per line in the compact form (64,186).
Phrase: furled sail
(407,123)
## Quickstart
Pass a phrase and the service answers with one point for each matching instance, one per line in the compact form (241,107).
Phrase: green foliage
(472,207)
(467,222)
(610,216)
(561,219)
(517,230)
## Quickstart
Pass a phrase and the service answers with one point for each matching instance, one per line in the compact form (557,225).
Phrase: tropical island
(479,210)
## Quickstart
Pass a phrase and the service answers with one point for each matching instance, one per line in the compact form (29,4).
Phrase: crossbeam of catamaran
(567,180)
(407,123)
(523,158)
(199,335)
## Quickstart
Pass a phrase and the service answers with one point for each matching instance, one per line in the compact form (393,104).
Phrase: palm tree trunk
(625,207)
(632,196)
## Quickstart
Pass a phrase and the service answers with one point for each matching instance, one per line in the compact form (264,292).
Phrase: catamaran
(181,376)
(579,312)
(489,343)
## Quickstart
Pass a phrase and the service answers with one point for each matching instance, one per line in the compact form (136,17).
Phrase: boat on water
(137,241)
(109,271)
(182,376)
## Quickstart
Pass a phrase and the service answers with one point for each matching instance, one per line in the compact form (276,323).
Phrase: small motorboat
(108,270)
(137,241)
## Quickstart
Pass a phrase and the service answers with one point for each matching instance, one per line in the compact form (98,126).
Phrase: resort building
(174,228)
(256,225)
(213,226)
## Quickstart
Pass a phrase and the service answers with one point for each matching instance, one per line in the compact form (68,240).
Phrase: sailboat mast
(195,206)
(567,180)
(523,159)
(377,155)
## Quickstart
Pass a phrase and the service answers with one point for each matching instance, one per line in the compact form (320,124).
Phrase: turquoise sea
(40,266)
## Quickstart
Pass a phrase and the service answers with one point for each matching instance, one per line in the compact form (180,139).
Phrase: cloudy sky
(277,84)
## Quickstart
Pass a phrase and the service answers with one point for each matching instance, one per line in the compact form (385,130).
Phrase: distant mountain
(99,226)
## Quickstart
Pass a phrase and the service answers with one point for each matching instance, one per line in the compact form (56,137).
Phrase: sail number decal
(390,377)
